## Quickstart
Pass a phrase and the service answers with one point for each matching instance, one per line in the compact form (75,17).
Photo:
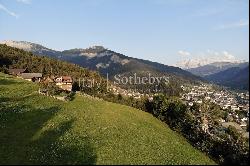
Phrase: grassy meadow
(36,129)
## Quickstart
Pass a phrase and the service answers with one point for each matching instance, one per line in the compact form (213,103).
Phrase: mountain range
(227,73)
(107,61)
(217,59)
(234,77)
(216,67)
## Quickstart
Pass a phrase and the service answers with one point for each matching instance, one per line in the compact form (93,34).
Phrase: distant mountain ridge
(235,77)
(32,47)
(215,67)
(224,57)
(106,61)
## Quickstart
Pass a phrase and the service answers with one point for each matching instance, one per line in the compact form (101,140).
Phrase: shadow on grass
(7,82)
(20,123)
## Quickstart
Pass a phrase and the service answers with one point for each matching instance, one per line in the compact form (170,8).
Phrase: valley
(108,82)
(194,109)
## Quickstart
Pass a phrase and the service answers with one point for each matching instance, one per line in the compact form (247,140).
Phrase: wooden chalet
(64,82)
(16,72)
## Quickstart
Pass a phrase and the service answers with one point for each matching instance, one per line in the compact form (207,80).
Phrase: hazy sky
(165,31)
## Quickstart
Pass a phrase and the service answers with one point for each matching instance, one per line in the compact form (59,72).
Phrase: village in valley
(236,104)
(146,82)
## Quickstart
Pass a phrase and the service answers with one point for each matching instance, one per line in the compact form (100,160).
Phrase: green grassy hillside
(36,129)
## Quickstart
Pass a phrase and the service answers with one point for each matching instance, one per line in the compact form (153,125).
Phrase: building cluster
(224,98)
(231,102)
(63,82)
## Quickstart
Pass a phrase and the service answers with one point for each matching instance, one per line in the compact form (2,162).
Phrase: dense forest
(16,58)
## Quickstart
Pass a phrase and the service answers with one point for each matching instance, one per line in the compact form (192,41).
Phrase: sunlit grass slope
(36,129)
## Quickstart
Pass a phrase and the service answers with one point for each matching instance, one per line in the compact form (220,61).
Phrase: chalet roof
(16,71)
(31,75)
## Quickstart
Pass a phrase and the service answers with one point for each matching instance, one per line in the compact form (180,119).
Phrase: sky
(165,31)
